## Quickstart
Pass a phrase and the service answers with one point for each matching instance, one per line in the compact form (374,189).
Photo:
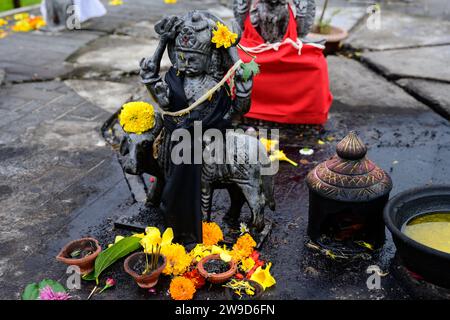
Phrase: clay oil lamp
(81,253)
(215,270)
(419,220)
(347,195)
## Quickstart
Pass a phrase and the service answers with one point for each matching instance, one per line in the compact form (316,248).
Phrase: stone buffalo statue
(243,180)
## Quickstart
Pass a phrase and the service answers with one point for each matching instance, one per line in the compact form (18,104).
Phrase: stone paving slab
(400,30)
(345,18)
(140,10)
(105,94)
(426,63)
(112,55)
(2,76)
(355,86)
(49,142)
(436,94)
(40,55)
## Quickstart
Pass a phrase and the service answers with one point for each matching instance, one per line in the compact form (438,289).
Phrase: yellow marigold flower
(170,1)
(212,233)
(137,117)
(243,247)
(178,261)
(247,264)
(21,16)
(182,288)
(115,2)
(222,36)
(3,22)
(263,276)
(200,251)
(22,26)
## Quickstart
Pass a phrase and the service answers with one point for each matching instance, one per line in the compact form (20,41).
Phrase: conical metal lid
(349,176)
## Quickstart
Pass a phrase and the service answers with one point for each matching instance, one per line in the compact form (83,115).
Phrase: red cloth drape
(291,88)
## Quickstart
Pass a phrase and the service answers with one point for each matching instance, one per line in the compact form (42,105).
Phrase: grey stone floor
(59,180)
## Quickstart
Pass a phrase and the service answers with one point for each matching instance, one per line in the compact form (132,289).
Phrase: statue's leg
(237,200)
(255,200)
(206,200)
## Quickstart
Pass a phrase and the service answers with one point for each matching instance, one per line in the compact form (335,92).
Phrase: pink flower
(110,282)
(48,294)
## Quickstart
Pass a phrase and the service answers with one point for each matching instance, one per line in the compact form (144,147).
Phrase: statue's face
(192,63)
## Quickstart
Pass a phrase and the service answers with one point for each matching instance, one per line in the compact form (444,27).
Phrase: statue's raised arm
(167,29)
(241,9)
(305,14)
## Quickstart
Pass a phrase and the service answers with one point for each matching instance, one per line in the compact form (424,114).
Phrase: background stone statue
(271,17)
(56,12)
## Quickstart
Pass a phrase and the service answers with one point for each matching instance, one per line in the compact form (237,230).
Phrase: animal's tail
(267,186)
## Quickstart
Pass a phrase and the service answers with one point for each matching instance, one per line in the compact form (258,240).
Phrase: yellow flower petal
(167,237)
(263,276)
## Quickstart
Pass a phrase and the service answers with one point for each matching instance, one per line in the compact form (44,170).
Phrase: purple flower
(48,294)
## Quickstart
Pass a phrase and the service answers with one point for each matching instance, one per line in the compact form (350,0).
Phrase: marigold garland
(212,233)
(137,117)
(182,288)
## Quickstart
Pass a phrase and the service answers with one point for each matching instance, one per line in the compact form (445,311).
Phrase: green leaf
(89,277)
(55,285)
(250,68)
(31,292)
(114,253)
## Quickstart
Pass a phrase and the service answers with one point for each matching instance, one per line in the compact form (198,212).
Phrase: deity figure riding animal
(185,190)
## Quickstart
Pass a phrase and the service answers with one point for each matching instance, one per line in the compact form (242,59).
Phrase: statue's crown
(195,35)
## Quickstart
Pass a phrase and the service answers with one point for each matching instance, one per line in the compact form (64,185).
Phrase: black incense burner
(347,195)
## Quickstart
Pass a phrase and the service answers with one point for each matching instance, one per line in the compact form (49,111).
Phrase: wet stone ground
(60,180)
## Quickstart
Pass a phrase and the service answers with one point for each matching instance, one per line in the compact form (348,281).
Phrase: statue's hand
(167,28)
(243,87)
(148,68)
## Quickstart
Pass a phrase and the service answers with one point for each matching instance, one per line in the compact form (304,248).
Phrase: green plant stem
(325,5)
(245,51)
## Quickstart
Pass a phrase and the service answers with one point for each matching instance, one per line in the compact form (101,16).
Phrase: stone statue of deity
(198,65)
(271,17)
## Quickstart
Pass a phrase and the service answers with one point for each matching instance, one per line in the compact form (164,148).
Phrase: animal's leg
(206,199)
(255,200)
(237,200)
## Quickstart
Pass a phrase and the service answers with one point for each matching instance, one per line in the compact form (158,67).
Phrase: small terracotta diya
(216,278)
(145,281)
(85,262)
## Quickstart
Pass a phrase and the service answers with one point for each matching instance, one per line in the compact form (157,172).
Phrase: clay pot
(216,278)
(229,293)
(333,39)
(146,281)
(85,264)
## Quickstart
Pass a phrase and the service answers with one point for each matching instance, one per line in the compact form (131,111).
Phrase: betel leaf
(250,68)
(31,292)
(114,253)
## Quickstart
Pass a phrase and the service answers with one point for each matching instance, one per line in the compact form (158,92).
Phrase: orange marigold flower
(212,233)
(182,288)
(243,247)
